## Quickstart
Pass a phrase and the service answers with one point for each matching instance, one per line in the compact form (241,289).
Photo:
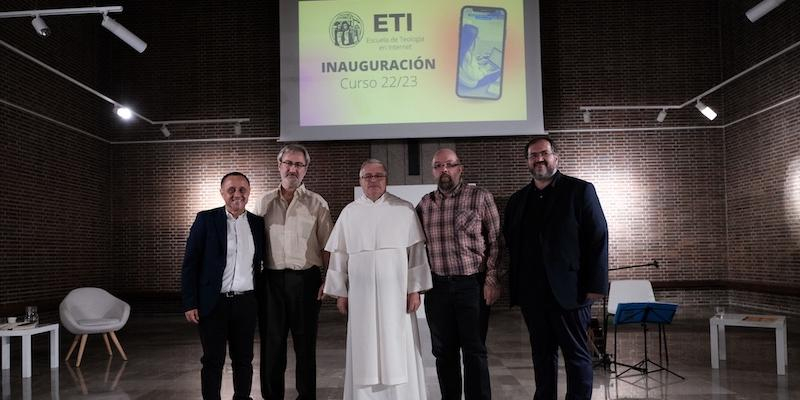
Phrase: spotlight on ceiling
(123,112)
(123,33)
(41,27)
(237,128)
(706,110)
(165,131)
(587,116)
(662,115)
(762,9)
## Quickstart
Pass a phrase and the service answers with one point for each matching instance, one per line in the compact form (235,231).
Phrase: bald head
(447,169)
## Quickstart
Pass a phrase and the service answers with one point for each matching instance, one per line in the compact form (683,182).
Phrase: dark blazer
(204,262)
(573,241)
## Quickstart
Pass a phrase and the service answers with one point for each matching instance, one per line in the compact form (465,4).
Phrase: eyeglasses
(543,154)
(445,165)
(370,177)
(290,164)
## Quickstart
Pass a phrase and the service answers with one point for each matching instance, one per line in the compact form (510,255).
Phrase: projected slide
(409,68)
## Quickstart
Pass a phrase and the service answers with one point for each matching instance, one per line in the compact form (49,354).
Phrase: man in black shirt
(558,242)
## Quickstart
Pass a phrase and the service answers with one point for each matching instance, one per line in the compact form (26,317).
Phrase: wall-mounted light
(706,110)
(587,116)
(237,128)
(123,112)
(41,27)
(662,115)
(762,9)
(108,23)
(165,131)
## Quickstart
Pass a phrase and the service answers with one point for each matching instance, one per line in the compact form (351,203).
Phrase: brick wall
(56,198)
(762,157)
(668,194)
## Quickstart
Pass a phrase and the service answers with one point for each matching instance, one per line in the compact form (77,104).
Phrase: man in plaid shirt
(462,227)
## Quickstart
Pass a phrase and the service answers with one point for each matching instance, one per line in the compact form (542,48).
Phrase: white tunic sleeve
(336,279)
(419,271)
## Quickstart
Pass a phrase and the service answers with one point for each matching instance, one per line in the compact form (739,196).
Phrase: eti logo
(346,29)
(396,22)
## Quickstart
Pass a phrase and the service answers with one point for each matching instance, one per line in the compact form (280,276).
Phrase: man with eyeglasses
(462,227)
(557,238)
(377,268)
(298,223)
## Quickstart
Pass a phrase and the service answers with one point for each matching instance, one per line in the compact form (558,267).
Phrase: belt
(455,277)
(313,268)
(235,293)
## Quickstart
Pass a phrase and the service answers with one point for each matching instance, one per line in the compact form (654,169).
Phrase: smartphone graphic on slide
(481,44)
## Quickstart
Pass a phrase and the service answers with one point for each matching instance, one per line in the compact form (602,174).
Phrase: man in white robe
(377,268)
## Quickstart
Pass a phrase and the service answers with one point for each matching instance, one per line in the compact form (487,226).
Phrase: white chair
(629,291)
(89,310)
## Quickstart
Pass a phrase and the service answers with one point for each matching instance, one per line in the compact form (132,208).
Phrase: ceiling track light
(762,9)
(119,109)
(706,110)
(123,112)
(123,33)
(113,26)
(41,27)
(236,122)
(662,115)
(587,116)
(710,114)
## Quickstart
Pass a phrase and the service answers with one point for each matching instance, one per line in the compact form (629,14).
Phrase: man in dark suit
(221,270)
(558,242)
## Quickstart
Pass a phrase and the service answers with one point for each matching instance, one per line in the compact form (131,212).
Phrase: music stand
(644,313)
(604,358)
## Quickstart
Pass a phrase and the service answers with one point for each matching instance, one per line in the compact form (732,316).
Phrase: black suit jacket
(573,242)
(204,261)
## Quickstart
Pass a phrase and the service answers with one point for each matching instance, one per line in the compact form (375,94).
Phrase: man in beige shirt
(298,223)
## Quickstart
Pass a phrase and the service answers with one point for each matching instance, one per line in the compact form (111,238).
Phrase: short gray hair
(294,148)
(373,161)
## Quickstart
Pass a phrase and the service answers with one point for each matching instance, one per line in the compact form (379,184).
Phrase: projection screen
(388,69)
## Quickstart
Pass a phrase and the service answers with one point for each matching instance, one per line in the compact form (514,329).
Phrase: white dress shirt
(238,274)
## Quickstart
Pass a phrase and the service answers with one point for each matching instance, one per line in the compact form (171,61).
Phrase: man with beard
(221,270)
(298,223)
(558,241)
(462,227)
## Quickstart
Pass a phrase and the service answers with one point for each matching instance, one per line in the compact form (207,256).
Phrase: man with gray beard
(557,238)
(462,227)
(298,223)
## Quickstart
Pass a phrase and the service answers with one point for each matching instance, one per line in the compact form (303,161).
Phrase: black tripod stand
(644,313)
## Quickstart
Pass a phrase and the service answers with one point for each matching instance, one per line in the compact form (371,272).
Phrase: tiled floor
(164,363)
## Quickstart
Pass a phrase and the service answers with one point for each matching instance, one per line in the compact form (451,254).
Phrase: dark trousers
(550,328)
(289,303)
(232,322)
(458,318)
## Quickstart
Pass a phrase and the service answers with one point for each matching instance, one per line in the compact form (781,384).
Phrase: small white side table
(717,325)
(26,334)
